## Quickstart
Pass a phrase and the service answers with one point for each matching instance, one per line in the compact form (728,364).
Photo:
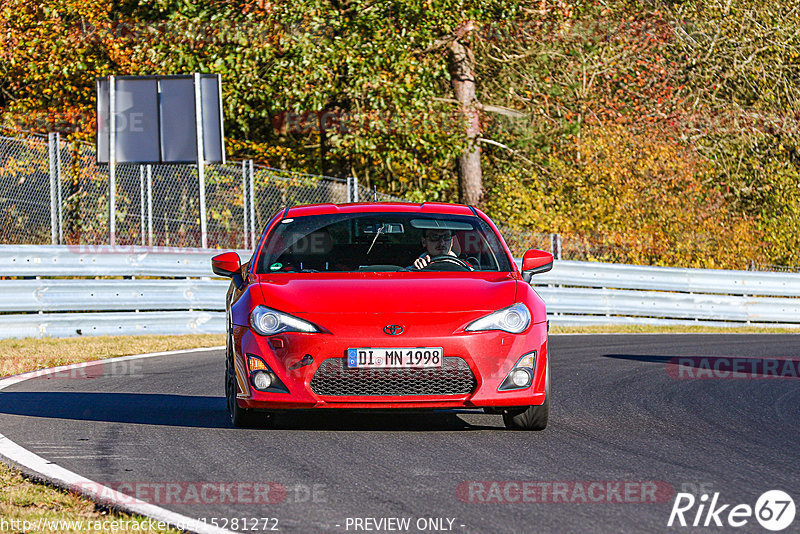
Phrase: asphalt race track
(628,431)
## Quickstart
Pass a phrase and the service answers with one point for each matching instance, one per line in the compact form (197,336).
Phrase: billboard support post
(55,184)
(150,205)
(198,117)
(112,161)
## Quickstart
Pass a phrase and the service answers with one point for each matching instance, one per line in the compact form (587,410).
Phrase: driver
(436,243)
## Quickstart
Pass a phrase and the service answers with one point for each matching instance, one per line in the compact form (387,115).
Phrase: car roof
(368,207)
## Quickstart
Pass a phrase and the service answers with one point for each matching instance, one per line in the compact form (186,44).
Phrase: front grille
(334,378)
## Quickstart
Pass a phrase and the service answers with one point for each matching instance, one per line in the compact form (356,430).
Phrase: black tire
(240,417)
(532,417)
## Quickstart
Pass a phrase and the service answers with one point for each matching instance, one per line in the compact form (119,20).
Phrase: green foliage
(741,61)
(659,132)
(610,90)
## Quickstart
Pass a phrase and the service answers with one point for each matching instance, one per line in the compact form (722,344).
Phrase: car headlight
(514,319)
(267,322)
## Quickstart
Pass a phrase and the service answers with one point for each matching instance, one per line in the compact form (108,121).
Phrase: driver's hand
(421,263)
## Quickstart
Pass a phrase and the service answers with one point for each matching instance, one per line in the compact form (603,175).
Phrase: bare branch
(501,145)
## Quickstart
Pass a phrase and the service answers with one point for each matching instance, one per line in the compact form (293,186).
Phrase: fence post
(560,247)
(141,202)
(555,245)
(352,189)
(58,190)
(245,204)
(53,153)
(252,207)
(150,205)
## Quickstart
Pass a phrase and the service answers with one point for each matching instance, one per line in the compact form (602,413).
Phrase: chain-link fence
(50,195)
(159,205)
(25,190)
(55,192)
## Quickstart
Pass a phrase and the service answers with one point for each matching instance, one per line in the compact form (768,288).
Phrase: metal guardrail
(588,293)
(49,295)
(622,320)
(111,324)
(182,299)
(658,304)
(612,275)
(178,295)
(89,260)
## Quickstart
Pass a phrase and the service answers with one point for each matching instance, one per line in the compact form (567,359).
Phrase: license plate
(394,357)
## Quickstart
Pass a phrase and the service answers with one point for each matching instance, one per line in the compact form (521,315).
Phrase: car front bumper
(296,358)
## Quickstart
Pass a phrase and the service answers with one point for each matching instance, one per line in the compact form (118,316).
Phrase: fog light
(520,377)
(262,379)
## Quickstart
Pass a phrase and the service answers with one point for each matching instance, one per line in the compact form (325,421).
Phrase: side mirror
(226,265)
(534,262)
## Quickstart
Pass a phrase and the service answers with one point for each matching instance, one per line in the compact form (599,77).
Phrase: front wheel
(241,417)
(532,417)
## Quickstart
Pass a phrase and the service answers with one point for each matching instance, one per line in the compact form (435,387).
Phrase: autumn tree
(593,119)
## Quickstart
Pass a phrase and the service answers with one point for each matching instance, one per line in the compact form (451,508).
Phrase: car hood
(387,292)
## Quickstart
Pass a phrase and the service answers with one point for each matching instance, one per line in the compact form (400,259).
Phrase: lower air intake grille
(334,378)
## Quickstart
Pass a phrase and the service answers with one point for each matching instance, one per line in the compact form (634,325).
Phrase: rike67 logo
(774,510)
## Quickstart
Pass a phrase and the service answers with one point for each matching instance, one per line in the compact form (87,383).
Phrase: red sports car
(385,306)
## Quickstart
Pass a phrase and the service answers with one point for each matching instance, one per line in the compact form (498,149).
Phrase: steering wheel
(453,260)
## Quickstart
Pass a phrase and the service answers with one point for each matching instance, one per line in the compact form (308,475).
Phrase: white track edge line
(55,473)
(49,371)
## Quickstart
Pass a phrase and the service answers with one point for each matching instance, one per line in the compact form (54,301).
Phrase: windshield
(360,242)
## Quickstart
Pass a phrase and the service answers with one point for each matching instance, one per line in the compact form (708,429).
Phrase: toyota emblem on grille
(393,329)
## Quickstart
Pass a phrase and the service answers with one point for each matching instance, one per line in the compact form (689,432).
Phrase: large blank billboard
(156,119)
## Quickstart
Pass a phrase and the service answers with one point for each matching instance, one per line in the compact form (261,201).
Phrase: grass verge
(27,506)
(29,354)
(40,505)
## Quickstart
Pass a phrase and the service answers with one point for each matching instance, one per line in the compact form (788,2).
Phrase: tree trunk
(470,178)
